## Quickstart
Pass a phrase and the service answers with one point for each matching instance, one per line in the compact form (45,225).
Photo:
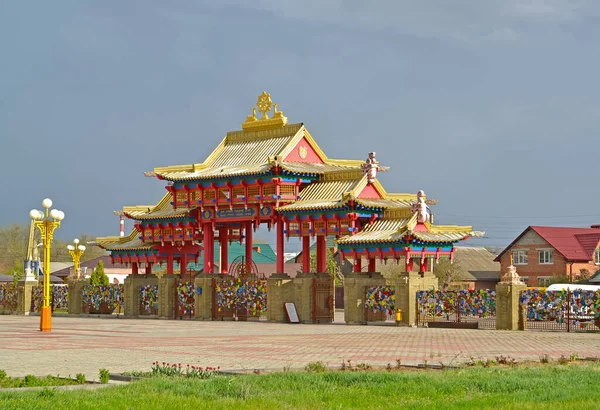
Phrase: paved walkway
(84,345)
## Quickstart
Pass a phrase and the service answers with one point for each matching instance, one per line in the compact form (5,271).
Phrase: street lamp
(46,227)
(76,251)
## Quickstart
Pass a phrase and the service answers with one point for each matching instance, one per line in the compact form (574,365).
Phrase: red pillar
(209,248)
(248,240)
(134,268)
(357,263)
(170,264)
(183,264)
(280,248)
(224,246)
(321,254)
(148,268)
(372,265)
(306,254)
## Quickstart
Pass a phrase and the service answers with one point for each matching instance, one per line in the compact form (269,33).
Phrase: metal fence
(8,297)
(148,300)
(59,300)
(380,304)
(103,299)
(564,310)
(465,308)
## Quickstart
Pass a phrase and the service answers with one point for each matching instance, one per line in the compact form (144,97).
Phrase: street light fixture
(46,227)
(76,251)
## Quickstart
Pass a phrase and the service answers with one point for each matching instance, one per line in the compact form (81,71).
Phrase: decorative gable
(303,152)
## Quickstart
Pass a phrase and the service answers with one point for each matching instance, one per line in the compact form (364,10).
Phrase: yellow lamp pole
(46,227)
(76,251)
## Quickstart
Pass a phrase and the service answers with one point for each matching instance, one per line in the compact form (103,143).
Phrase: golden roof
(262,144)
(395,230)
(125,243)
(162,210)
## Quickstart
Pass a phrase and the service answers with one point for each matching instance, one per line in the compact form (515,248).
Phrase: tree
(448,273)
(333,268)
(98,276)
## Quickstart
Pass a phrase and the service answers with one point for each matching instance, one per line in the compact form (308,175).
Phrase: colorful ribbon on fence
(380,299)
(60,297)
(470,303)
(8,296)
(238,294)
(186,298)
(148,297)
(557,305)
(94,295)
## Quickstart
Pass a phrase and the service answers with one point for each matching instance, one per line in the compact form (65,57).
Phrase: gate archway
(240,294)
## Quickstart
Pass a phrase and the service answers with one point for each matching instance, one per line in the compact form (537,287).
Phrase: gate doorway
(323,300)
(185,296)
(240,295)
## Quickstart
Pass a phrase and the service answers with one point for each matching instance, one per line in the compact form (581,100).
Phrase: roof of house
(90,264)
(478,263)
(9,279)
(595,279)
(575,244)
(330,244)
(266,256)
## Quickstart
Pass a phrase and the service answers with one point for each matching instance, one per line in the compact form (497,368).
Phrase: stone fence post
(507,306)
(279,291)
(355,285)
(75,292)
(24,289)
(204,295)
(132,285)
(406,287)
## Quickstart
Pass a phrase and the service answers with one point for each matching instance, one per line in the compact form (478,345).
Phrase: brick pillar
(406,287)
(203,297)
(75,296)
(507,305)
(280,291)
(166,297)
(24,289)
(355,285)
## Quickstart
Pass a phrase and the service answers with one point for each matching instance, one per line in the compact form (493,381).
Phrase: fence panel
(469,307)
(563,310)
(8,297)
(246,297)
(148,300)
(59,301)
(380,304)
(103,299)
(186,299)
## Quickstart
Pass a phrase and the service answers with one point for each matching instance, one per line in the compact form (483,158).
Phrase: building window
(545,257)
(544,281)
(597,256)
(519,257)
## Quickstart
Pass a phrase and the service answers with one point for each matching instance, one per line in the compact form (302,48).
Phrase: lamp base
(46,319)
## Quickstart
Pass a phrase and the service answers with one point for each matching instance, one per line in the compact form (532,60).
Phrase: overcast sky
(489,106)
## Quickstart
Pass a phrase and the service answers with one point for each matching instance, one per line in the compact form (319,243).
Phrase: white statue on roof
(420,207)
(370,166)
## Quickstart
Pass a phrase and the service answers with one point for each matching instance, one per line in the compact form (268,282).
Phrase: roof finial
(264,104)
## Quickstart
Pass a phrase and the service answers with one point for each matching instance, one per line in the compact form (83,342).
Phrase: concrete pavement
(84,345)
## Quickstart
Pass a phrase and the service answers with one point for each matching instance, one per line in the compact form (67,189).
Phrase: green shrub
(317,367)
(2,374)
(80,377)
(104,376)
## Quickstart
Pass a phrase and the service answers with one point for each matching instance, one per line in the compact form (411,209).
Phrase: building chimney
(596,226)
(256,248)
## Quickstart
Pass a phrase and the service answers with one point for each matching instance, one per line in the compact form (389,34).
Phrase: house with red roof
(541,252)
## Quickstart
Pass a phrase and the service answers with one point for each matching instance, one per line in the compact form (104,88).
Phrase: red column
(224,245)
(134,268)
(306,254)
(372,265)
(148,268)
(357,263)
(170,264)
(248,240)
(321,254)
(183,264)
(209,248)
(280,248)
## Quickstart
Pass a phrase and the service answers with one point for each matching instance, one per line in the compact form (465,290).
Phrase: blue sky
(489,106)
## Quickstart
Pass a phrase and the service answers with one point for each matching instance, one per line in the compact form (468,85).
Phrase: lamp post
(46,227)
(76,251)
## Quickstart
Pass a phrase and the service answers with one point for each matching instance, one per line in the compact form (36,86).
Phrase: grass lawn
(541,386)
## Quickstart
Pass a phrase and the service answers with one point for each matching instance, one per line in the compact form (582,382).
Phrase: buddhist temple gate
(273,173)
